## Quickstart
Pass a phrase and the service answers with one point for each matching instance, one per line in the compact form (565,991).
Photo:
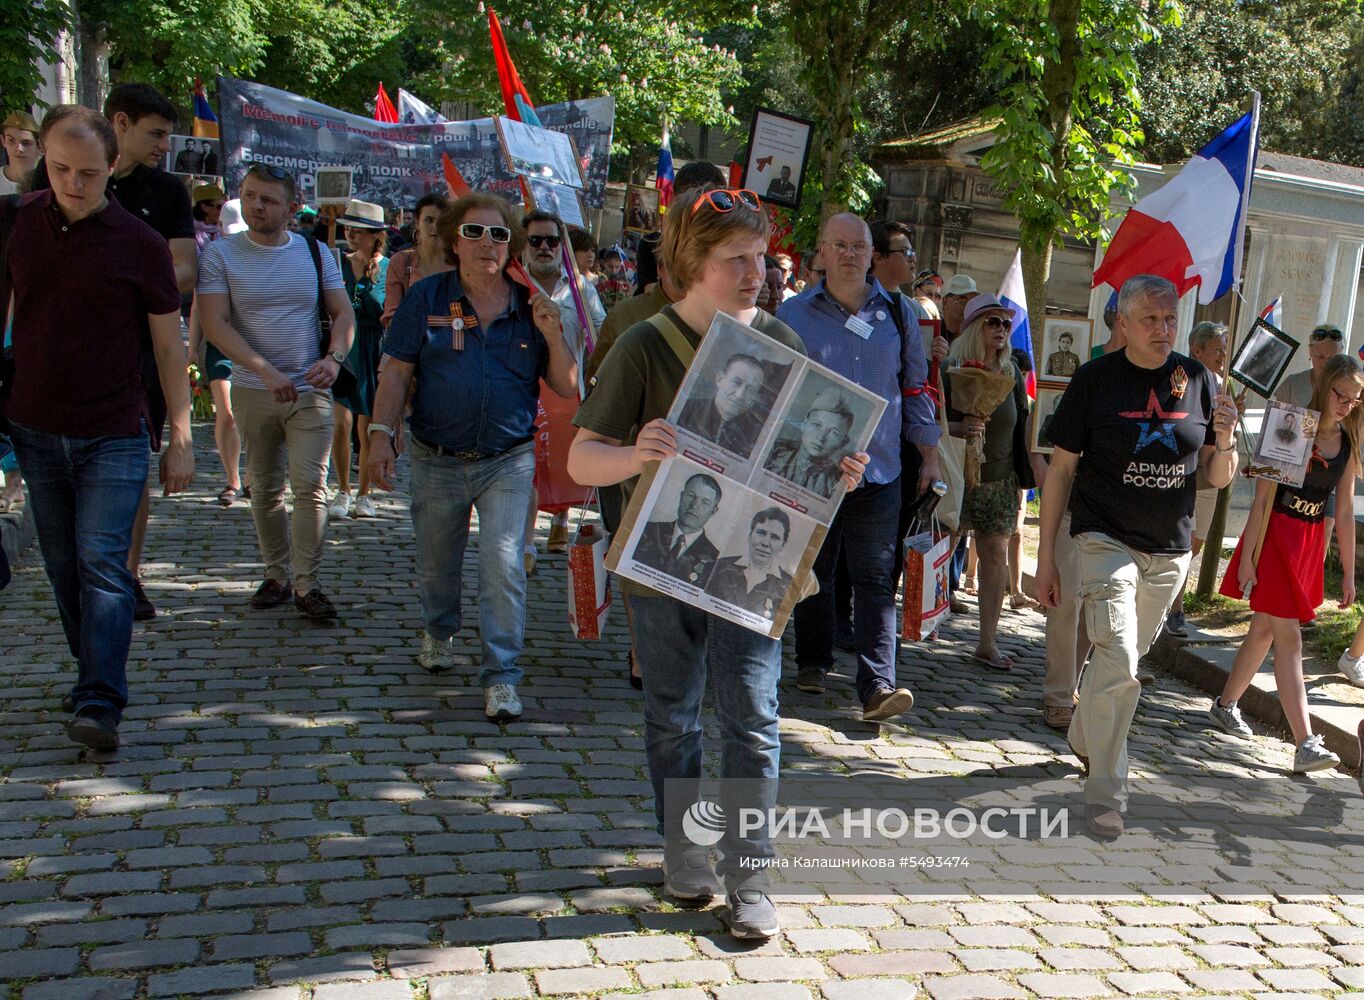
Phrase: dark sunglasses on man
(274,173)
(544,241)
(1327,333)
(474,231)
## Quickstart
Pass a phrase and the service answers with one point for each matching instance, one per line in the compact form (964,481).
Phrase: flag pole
(1212,545)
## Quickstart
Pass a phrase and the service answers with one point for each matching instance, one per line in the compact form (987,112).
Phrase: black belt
(463,456)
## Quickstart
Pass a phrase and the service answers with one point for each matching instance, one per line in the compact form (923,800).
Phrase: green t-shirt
(639,380)
(622,316)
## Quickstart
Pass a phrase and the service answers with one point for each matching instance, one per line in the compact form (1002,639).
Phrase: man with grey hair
(850,323)
(1131,433)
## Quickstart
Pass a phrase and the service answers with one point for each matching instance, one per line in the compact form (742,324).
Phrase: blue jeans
(85,493)
(681,651)
(865,529)
(444,492)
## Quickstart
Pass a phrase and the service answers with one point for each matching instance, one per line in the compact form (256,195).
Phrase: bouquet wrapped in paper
(977,391)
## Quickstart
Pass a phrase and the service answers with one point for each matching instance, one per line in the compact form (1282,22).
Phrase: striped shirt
(272,292)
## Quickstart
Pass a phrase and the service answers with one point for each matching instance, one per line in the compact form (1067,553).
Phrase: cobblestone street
(304,812)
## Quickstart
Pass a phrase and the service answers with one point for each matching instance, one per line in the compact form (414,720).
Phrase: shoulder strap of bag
(324,321)
(676,339)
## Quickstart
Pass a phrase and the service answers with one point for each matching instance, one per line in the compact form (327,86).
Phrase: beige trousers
(1124,595)
(294,439)
(1067,638)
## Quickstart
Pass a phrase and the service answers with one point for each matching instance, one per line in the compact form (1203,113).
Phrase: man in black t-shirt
(1131,433)
(144,119)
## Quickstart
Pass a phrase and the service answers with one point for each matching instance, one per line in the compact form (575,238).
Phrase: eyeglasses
(996,323)
(1327,333)
(474,231)
(542,241)
(726,199)
(840,248)
(1350,401)
(273,172)
(906,252)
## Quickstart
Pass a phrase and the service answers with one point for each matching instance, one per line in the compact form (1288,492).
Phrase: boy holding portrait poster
(714,248)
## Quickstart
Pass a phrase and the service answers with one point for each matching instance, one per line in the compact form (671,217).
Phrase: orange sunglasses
(725,200)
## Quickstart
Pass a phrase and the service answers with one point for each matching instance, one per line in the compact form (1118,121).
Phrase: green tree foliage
(28,34)
(1296,53)
(1068,111)
(652,59)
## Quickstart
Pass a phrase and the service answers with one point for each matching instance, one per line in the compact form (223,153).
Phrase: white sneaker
(1313,756)
(500,702)
(1229,718)
(340,505)
(1352,667)
(436,654)
(364,507)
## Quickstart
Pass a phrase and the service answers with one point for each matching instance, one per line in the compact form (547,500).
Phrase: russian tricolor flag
(205,124)
(664,179)
(1191,231)
(1011,293)
(1273,313)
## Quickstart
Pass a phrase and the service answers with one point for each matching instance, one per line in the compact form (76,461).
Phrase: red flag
(454,180)
(507,77)
(384,111)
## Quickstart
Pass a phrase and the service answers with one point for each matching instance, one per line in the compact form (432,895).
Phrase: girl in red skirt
(1287,581)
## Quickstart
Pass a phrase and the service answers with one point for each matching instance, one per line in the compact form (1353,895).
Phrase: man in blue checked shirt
(847,323)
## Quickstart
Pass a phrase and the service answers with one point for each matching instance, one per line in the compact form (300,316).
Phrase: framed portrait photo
(778,147)
(194,156)
(1048,398)
(1065,345)
(334,185)
(641,209)
(558,199)
(1263,357)
(534,152)
(1284,448)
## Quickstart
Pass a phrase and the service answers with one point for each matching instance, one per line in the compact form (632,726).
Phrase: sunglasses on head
(1327,333)
(543,241)
(725,200)
(474,231)
(275,173)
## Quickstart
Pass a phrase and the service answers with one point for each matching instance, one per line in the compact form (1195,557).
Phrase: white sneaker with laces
(436,654)
(1229,718)
(340,505)
(1313,756)
(364,507)
(1352,667)
(501,703)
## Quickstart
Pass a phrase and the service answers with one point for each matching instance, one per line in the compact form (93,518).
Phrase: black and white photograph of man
(807,453)
(679,546)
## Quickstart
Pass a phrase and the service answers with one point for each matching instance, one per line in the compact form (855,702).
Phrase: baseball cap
(961,284)
(22,120)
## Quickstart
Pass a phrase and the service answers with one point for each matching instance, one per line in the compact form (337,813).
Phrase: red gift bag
(589,586)
(925,597)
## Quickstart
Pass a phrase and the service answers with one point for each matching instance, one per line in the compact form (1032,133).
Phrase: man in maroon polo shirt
(90,281)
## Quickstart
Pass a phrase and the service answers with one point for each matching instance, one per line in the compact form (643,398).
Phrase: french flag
(664,179)
(1191,231)
(1011,293)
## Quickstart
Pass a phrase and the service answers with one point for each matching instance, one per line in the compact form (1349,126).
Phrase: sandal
(227,497)
(968,585)
(1021,601)
(1000,661)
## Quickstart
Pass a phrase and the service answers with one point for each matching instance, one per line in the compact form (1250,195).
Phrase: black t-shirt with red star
(1137,432)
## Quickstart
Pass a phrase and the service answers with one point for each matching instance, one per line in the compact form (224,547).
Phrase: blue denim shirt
(883,363)
(482,398)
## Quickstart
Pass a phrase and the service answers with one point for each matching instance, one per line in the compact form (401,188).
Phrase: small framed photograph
(194,156)
(641,209)
(1048,398)
(334,185)
(559,199)
(778,147)
(1065,345)
(539,153)
(1284,449)
(1263,357)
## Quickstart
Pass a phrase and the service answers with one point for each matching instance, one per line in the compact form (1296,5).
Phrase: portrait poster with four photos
(1284,449)
(1263,357)
(733,522)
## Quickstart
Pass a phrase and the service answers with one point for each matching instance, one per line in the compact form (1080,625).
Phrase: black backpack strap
(324,320)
